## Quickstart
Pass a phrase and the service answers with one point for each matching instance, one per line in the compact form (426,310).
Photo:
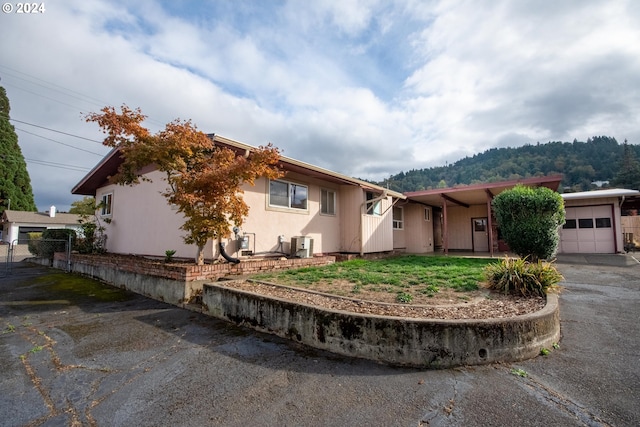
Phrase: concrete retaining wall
(175,284)
(398,341)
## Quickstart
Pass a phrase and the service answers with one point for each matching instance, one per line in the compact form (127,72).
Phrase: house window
(373,208)
(327,202)
(427,214)
(105,204)
(288,195)
(398,218)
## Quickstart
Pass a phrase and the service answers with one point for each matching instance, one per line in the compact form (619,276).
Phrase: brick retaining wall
(191,272)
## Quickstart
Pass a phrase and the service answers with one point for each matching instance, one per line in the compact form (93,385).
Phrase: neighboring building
(593,221)
(334,212)
(17,224)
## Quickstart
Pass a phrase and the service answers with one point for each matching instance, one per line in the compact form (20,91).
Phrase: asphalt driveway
(90,354)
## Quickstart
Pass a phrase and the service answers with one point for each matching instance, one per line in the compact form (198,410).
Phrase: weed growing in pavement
(519,372)
(544,351)
(36,349)
(10,328)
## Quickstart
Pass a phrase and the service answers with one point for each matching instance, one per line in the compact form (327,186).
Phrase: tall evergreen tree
(628,175)
(15,184)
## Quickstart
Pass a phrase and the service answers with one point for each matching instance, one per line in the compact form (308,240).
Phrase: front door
(480,235)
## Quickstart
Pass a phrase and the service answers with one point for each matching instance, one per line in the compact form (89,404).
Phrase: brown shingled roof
(26,217)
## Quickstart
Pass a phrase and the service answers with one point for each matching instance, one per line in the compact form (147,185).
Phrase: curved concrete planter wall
(428,343)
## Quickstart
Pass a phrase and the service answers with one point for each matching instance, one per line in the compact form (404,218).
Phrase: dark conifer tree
(15,184)
(628,175)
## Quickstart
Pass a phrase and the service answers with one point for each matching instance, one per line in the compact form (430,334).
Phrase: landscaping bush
(517,275)
(92,239)
(54,240)
(34,243)
(529,219)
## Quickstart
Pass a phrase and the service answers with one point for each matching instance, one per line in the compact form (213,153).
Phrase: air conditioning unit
(302,246)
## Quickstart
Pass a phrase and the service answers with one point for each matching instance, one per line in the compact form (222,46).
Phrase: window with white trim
(105,204)
(327,202)
(373,208)
(284,194)
(398,218)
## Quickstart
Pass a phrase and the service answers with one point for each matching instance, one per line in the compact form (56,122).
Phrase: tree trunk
(200,255)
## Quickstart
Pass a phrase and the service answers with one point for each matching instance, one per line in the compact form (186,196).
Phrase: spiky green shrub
(517,275)
(529,219)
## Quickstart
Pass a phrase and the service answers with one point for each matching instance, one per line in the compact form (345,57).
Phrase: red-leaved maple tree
(204,180)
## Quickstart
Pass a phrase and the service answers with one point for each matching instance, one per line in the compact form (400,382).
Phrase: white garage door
(589,229)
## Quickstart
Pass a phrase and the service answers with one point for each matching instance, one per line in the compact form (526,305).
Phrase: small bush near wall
(34,243)
(55,240)
(517,275)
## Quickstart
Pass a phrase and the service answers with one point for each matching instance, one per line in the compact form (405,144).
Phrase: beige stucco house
(312,210)
(316,210)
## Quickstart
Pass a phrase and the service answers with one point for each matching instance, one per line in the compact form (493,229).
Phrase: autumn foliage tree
(204,180)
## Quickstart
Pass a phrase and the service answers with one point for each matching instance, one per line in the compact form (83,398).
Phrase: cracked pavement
(86,359)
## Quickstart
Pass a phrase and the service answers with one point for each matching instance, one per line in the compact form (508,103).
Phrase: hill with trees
(598,160)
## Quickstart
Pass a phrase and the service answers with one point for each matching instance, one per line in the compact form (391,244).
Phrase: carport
(463,217)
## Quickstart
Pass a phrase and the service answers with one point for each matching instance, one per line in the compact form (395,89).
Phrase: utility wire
(58,165)
(44,163)
(62,89)
(61,143)
(87,99)
(56,131)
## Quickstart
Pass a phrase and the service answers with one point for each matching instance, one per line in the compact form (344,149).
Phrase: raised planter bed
(427,343)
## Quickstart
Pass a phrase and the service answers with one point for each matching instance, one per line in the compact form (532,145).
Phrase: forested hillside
(601,158)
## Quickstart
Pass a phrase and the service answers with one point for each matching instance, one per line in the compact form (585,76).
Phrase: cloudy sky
(362,87)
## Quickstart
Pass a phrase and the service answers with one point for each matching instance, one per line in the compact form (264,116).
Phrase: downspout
(362,213)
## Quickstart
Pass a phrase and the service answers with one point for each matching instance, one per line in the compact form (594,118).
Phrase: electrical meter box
(244,242)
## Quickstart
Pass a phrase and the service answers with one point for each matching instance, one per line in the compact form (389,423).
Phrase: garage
(589,229)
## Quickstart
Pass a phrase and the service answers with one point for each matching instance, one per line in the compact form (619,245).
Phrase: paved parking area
(90,354)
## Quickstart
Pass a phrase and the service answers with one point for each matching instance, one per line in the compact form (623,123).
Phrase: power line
(97,102)
(58,165)
(87,99)
(58,142)
(56,131)
(45,163)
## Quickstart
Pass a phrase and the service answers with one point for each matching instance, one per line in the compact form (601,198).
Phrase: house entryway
(480,234)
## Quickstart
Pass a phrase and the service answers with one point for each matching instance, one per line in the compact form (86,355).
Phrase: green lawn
(403,275)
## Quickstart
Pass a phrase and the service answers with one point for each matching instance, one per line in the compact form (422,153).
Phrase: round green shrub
(529,219)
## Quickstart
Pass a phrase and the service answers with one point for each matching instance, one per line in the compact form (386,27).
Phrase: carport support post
(489,221)
(69,254)
(445,228)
